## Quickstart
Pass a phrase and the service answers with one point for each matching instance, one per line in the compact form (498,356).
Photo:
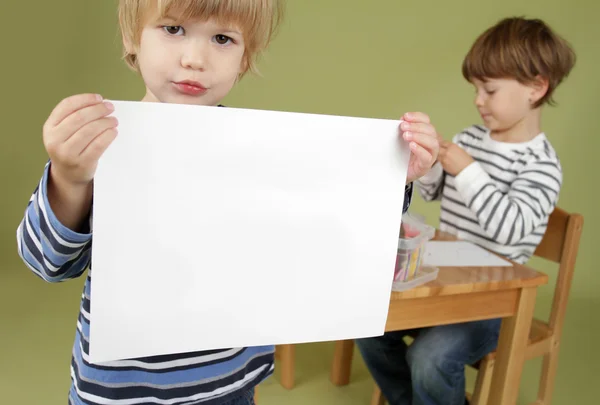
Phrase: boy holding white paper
(187,52)
(498,185)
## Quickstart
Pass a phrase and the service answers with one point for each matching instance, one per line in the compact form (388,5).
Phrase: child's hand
(76,134)
(424,144)
(453,158)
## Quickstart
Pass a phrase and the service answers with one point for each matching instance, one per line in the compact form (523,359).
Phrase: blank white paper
(459,253)
(222,227)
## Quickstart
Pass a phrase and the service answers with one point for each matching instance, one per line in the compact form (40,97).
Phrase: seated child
(498,183)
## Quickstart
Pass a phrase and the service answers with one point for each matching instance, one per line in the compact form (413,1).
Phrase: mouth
(190,87)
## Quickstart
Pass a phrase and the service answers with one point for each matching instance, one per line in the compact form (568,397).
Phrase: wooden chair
(560,245)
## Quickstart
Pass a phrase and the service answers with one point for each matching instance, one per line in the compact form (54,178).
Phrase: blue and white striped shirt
(55,253)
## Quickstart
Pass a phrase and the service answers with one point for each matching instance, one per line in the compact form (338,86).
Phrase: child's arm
(423,142)
(431,185)
(52,251)
(76,134)
(54,237)
(508,217)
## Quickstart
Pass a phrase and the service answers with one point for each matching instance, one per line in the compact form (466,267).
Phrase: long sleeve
(508,217)
(431,185)
(408,191)
(52,251)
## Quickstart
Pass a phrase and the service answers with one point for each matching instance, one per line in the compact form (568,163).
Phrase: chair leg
(549,369)
(481,393)
(287,358)
(377,398)
(342,362)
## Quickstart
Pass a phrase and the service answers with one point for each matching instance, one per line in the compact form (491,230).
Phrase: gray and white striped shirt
(501,201)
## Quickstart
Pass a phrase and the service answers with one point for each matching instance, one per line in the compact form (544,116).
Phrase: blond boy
(189,52)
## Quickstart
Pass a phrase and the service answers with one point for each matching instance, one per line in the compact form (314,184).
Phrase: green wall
(363,58)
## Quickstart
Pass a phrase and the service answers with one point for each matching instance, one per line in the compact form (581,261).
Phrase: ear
(539,88)
(128,45)
(244,65)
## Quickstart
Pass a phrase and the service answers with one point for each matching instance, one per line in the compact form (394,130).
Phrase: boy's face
(503,103)
(197,62)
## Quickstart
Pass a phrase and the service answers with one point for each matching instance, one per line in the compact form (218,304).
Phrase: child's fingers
(98,145)
(426,141)
(419,127)
(442,153)
(71,104)
(444,144)
(423,156)
(416,117)
(82,118)
(82,138)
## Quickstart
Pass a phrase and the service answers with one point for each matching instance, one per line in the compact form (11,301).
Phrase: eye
(222,39)
(173,29)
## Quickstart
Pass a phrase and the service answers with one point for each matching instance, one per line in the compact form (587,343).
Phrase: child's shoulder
(540,157)
(540,150)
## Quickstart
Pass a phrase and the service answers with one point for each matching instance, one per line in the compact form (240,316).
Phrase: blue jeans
(431,371)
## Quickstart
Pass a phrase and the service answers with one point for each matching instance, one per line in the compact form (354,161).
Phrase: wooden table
(459,294)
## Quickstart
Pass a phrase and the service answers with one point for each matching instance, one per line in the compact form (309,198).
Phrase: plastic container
(409,273)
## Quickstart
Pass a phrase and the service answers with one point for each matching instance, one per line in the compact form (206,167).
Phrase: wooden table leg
(510,357)
(342,362)
(287,357)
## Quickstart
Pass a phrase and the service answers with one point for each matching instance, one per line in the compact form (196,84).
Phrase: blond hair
(521,49)
(257,19)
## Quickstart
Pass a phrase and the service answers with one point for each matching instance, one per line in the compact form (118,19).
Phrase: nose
(195,55)
(479,99)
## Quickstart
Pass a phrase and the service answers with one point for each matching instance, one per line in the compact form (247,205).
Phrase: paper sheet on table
(459,253)
(222,227)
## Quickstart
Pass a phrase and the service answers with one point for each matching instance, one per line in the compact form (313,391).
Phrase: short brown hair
(258,20)
(520,49)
